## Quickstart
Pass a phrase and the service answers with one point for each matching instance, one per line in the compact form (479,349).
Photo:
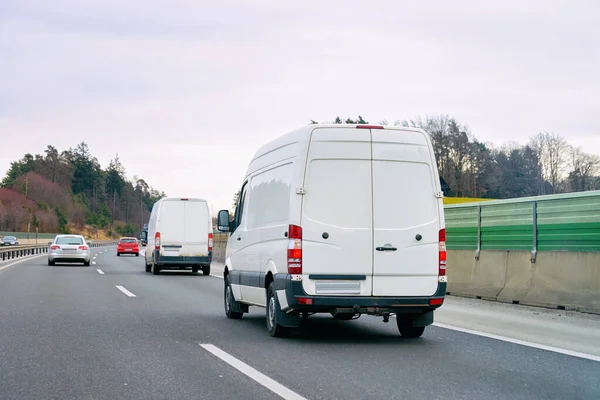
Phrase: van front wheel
(273,327)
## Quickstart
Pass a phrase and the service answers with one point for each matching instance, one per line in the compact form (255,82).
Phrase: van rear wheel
(229,300)
(408,330)
(273,327)
(206,269)
(155,268)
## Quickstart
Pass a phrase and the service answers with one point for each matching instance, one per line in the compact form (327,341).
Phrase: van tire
(408,330)
(274,329)
(148,267)
(206,269)
(154,268)
(229,300)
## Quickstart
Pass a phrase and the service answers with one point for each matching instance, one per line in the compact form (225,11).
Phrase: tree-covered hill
(67,191)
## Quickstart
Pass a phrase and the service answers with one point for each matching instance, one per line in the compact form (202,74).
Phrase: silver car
(69,248)
(9,241)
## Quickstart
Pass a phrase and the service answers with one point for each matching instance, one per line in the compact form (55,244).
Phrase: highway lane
(102,339)
(68,333)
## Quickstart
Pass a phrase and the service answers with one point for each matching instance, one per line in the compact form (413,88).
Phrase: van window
(197,220)
(268,203)
(338,193)
(404,194)
(239,209)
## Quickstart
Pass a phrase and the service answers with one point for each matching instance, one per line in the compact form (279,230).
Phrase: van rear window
(338,193)
(403,194)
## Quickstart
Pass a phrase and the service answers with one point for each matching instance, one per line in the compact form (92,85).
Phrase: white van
(180,236)
(340,219)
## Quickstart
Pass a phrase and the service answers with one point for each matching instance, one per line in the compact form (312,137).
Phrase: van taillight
(157,241)
(294,252)
(442,267)
(210,242)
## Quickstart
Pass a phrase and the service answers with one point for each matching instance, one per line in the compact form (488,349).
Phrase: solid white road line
(521,342)
(217,276)
(252,373)
(100,271)
(20,261)
(127,292)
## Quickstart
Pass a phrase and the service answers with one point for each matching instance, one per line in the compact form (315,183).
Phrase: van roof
(303,135)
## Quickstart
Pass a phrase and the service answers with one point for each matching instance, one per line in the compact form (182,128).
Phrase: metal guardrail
(12,252)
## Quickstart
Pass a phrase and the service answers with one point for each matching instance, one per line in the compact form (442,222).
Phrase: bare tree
(553,150)
(583,168)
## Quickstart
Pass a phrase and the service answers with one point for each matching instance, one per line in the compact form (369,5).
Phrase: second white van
(180,236)
(339,219)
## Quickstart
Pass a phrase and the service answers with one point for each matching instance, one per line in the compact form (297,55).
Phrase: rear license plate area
(337,287)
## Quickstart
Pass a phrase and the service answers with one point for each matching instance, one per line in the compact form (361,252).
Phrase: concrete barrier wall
(565,280)
(219,246)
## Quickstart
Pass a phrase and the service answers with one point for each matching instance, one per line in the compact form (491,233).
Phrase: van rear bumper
(297,299)
(181,261)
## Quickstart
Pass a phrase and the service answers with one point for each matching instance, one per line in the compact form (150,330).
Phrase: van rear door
(170,224)
(196,229)
(337,207)
(184,228)
(405,214)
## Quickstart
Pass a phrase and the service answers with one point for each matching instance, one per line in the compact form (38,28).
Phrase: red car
(128,245)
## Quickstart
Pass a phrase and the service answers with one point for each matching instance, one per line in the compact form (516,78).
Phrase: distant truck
(144,235)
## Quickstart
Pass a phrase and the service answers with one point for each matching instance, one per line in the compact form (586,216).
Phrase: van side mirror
(223,221)
(49,243)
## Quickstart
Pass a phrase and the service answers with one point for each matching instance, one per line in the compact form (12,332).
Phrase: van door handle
(386,249)
(239,238)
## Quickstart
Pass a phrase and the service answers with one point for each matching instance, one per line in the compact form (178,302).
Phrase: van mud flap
(289,320)
(424,319)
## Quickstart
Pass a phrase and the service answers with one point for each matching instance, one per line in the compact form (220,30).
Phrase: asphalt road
(73,332)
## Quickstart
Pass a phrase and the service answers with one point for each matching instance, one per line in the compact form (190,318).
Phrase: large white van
(180,236)
(340,219)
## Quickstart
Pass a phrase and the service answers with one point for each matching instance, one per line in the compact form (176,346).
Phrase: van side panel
(266,224)
(405,208)
(152,231)
(262,245)
(337,213)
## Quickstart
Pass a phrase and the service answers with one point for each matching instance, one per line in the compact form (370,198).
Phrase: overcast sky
(186,90)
